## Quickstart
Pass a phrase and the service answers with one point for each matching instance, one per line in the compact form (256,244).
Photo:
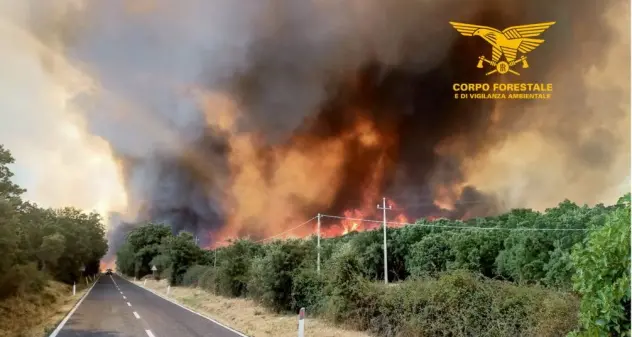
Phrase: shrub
(193,275)
(162,263)
(459,304)
(476,250)
(344,287)
(271,281)
(22,279)
(233,267)
(208,280)
(603,276)
(430,255)
(307,290)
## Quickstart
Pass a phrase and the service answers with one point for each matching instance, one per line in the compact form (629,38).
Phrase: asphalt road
(117,308)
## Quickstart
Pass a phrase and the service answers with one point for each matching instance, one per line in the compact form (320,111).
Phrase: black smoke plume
(304,72)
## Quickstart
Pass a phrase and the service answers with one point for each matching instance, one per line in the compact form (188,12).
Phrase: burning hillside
(229,118)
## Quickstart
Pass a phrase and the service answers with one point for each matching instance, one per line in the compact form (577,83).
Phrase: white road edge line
(136,315)
(149,333)
(63,322)
(187,309)
(129,304)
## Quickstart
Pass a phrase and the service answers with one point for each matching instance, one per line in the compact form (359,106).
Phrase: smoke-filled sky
(228,117)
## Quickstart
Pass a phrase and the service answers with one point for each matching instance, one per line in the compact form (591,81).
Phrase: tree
(602,276)
(51,249)
(8,246)
(275,273)
(476,250)
(8,189)
(145,243)
(430,255)
(125,259)
(58,241)
(183,253)
(233,267)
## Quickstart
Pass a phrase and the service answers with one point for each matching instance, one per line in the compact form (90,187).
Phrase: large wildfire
(229,118)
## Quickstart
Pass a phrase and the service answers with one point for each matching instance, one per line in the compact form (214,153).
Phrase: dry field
(246,316)
(36,315)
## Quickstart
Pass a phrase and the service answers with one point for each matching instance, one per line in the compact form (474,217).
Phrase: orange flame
(103,265)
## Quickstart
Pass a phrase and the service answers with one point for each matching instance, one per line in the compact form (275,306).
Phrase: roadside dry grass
(36,315)
(247,316)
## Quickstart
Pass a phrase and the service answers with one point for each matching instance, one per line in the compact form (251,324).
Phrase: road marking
(61,325)
(121,292)
(136,315)
(124,297)
(149,333)
(129,304)
(189,310)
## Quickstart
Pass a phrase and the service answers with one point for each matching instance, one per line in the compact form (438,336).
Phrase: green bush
(193,275)
(233,267)
(602,276)
(460,304)
(476,250)
(271,280)
(162,263)
(208,281)
(344,287)
(307,290)
(183,253)
(430,255)
(22,279)
(456,288)
(37,243)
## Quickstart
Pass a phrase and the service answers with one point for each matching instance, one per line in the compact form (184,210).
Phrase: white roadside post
(168,289)
(301,323)
(154,271)
(74,288)
(82,270)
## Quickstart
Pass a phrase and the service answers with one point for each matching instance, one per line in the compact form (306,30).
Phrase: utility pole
(384,208)
(318,246)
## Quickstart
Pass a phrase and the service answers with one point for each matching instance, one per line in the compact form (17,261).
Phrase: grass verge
(37,314)
(246,315)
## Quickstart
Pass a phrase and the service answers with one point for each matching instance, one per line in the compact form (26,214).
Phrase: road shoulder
(38,314)
(243,314)
(185,307)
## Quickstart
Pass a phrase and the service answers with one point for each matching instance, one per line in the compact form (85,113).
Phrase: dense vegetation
(37,244)
(508,275)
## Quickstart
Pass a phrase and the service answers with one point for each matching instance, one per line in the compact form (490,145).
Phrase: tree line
(527,273)
(38,244)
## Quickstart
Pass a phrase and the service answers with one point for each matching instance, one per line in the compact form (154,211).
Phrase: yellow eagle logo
(508,43)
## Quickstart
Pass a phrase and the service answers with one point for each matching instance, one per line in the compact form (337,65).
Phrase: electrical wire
(456,227)
(287,231)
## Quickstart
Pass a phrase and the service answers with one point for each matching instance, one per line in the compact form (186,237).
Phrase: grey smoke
(283,60)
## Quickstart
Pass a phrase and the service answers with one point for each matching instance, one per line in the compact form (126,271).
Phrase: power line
(456,227)
(287,231)
(456,202)
(422,225)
